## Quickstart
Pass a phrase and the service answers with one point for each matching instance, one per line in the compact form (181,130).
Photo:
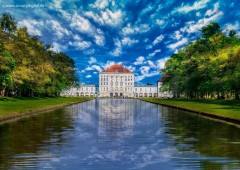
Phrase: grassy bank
(225,109)
(16,107)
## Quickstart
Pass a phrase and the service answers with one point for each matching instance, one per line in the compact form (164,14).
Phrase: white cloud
(234,26)
(109,63)
(139,60)
(118,48)
(96,67)
(129,42)
(81,45)
(174,46)
(107,17)
(33,26)
(93,67)
(57,28)
(143,76)
(193,27)
(161,62)
(177,35)
(88,68)
(212,12)
(196,6)
(57,4)
(142,28)
(158,39)
(131,68)
(92,60)
(154,53)
(89,51)
(151,64)
(149,47)
(198,14)
(58,47)
(88,76)
(99,40)
(81,24)
(155,41)
(102,4)
(144,69)
(160,22)
(77,37)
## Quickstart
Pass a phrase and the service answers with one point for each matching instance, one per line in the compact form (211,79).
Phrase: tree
(210,30)
(232,33)
(28,67)
(208,67)
(7,23)
(7,65)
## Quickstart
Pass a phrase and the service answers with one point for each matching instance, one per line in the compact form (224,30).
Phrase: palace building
(117,81)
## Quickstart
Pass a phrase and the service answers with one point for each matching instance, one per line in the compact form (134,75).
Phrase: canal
(119,134)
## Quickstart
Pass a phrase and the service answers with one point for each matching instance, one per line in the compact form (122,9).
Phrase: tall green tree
(8,23)
(28,67)
(206,68)
(210,29)
(7,65)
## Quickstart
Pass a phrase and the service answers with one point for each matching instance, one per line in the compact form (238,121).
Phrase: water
(119,134)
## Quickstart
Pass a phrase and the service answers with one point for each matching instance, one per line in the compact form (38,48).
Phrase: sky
(141,35)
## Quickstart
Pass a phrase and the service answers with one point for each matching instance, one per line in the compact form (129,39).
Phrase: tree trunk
(236,96)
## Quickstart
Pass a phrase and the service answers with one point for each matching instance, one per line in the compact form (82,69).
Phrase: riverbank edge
(200,113)
(34,112)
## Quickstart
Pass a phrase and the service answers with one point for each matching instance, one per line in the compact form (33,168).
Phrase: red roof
(116,68)
(163,77)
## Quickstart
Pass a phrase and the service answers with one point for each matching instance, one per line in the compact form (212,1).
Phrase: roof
(163,77)
(116,68)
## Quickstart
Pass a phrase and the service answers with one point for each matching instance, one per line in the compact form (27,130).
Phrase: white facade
(145,91)
(82,90)
(116,84)
(117,81)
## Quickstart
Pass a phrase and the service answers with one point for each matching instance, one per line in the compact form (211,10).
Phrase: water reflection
(118,134)
(115,119)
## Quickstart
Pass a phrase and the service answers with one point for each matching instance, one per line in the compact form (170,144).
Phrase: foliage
(7,23)
(28,66)
(206,68)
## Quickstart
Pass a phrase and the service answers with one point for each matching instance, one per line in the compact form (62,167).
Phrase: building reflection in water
(115,119)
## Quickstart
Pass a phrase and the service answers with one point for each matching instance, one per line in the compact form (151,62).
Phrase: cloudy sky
(139,34)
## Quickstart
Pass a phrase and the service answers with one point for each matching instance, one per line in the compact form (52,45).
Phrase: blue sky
(139,34)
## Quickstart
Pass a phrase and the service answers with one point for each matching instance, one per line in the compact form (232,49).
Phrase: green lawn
(15,106)
(223,108)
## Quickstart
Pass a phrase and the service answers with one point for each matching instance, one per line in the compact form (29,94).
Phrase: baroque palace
(117,81)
